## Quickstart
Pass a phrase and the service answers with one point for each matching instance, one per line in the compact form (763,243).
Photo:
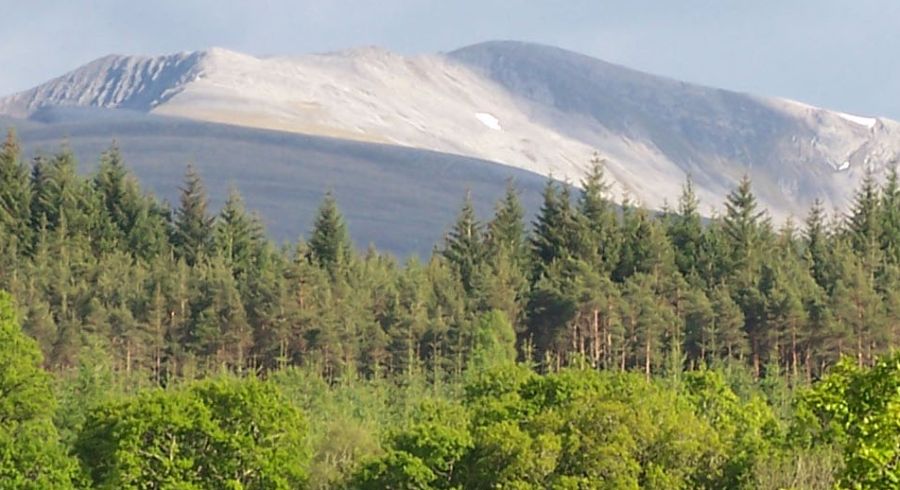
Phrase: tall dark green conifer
(463,246)
(503,281)
(329,242)
(816,235)
(890,215)
(237,235)
(193,231)
(864,222)
(598,239)
(745,228)
(645,246)
(507,229)
(686,230)
(15,196)
(61,195)
(118,191)
(554,229)
(748,233)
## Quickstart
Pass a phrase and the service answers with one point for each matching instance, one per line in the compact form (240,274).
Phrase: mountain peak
(527,105)
(113,81)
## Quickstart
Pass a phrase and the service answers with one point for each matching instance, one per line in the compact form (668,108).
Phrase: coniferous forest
(148,345)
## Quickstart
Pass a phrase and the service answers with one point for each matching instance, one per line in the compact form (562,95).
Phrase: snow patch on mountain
(868,122)
(489,120)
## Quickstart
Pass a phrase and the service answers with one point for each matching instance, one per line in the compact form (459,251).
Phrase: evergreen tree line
(100,266)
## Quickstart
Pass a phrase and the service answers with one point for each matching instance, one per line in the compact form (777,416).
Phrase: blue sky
(841,54)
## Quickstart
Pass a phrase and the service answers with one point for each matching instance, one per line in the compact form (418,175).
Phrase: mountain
(402,200)
(528,106)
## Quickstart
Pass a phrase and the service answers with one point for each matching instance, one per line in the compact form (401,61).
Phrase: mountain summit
(534,107)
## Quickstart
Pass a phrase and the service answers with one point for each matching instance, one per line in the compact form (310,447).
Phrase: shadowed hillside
(397,198)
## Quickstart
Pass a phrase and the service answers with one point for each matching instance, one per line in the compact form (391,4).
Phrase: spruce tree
(686,230)
(646,248)
(119,195)
(193,231)
(745,229)
(890,215)
(817,239)
(864,222)
(788,283)
(554,229)
(15,196)
(747,232)
(713,259)
(463,246)
(503,281)
(599,235)
(61,195)
(596,322)
(329,242)
(506,231)
(237,235)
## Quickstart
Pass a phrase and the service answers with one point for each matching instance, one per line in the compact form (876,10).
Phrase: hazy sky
(842,54)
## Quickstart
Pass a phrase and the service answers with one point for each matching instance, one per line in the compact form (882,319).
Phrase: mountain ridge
(535,107)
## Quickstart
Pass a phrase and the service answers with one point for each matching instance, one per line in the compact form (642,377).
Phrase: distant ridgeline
(95,261)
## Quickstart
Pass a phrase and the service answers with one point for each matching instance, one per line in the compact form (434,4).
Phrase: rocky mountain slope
(528,106)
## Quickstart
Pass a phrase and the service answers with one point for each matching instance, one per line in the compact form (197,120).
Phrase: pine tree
(596,322)
(857,307)
(193,232)
(646,318)
(552,308)
(502,284)
(149,236)
(787,282)
(409,318)
(700,335)
(729,325)
(329,242)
